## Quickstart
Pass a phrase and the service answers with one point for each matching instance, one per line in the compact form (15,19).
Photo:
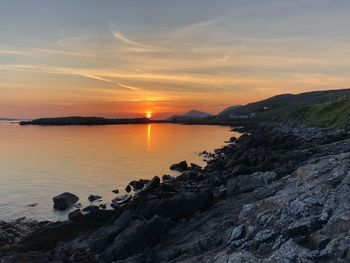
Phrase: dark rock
(93,198)
(121,200)
(116,191)
(319,241)
(196,167)
(136,238)
(169,186)
(103,206)
(248,183)
(167,177)
(64,201)
(180,167)
(104,235)
(182,205)
(264,235)
(76,215)
(153,183)
(47,236)
(91,208)
(33,205)
(137,185)
(236,233)
(128,188)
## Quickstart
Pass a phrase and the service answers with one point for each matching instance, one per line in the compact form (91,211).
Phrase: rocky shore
(279,193)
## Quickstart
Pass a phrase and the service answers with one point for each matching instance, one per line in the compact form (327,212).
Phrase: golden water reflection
(149,135)
(38,163)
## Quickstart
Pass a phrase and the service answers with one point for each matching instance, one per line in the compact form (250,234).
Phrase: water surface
(37,163)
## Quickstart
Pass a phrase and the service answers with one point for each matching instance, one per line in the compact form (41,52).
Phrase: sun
(148,115)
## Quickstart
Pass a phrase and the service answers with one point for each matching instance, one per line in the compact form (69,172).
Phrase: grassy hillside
(286,104)
(328,115)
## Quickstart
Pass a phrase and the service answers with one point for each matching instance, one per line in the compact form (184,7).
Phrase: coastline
(280,193)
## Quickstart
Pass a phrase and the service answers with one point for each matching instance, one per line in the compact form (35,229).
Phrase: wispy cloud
(120,36)
(201,24)
(11,52)
(133,88)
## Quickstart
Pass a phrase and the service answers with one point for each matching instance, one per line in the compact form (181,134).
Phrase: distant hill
(229,109)
(283,105)
(193,114)
(330,114)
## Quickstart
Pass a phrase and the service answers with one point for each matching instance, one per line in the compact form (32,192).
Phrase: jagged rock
(292,252)
(104,235)
(264,235)
(64,201)
(319,241)
(248,183)
(236,233)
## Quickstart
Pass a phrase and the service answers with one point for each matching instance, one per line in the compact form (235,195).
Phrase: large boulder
(64,201)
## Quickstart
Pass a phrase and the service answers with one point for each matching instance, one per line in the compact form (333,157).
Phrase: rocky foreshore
(280,193)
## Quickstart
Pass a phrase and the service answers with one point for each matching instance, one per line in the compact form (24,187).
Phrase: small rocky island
(278,193)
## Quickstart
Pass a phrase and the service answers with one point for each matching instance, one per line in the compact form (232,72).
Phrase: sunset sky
(124,58)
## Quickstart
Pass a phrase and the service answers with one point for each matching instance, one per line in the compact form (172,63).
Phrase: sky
(123,58)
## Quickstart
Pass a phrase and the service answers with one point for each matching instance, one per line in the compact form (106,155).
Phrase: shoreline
(260,198)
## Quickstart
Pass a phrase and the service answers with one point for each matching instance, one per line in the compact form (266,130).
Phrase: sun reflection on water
(149,135)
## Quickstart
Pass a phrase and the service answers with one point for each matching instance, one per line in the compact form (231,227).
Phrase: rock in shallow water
(64,201)
(93,198)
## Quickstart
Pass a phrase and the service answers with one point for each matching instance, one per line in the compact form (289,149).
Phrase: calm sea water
(37,163)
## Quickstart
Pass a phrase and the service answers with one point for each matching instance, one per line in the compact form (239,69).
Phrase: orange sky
(121,59)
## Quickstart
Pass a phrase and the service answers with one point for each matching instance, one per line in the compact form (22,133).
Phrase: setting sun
(148,115)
